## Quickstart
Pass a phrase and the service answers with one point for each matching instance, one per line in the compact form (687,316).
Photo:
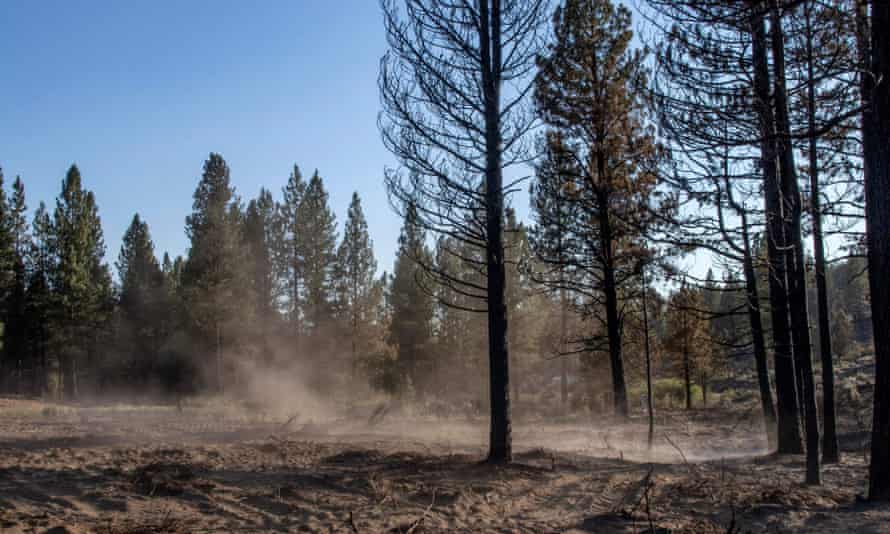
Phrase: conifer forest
(640,285)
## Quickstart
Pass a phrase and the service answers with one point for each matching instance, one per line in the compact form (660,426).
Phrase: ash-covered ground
(223,467)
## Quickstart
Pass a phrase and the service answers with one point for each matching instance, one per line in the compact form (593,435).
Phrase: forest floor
(134,469)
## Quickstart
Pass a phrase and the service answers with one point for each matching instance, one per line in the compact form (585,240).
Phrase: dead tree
(876,131)
(453,86)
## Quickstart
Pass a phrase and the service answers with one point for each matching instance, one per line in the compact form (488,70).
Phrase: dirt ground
(155,469)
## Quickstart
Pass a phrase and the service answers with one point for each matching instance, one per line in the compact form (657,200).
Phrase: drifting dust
(223,466)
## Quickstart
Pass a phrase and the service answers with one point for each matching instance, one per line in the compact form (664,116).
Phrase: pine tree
(687,335)
(518,297)
(355,282)
(14,328)
(7,245)
(80,281)
(212,277)
(552,208)
(412,307)
(259,234)
(589,89)
(289,248)
(454,84)
(143,297)
(14,331)
(38,298)
(10,371)
(316,247)
(876,130)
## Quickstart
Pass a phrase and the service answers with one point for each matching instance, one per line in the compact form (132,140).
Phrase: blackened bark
(788,423)
(564,363)
(830,452)
(756,324)
(687,380)
(500,447)
(797,286)
(877,216)
(613,326)
(646,347)
(68,364)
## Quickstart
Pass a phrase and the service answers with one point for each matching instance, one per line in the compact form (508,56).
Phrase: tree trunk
(219,370)
(788,423)
(564,363)
(704,390)
(756,324)
(876,132)
(687,381)
(610,289)
(651,412)
(797,287)
(830,452)
(500,444)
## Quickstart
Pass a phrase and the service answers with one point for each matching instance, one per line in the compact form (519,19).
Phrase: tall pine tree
(356,269)
(589,89)
(317,248)
(80,281)
(143,297)
(412,307)
(212,277)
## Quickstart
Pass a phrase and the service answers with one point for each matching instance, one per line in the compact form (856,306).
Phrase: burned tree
(589,90)
(453,87)
(876,131)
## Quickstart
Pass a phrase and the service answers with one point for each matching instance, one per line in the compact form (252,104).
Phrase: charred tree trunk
(649,407)
(687,380)
(704,389)
(610,289)
(756,325)
(830,452)
(788,423)
(797,287)
(876,132)
(219,365)
(500,448)
(564,363)
(68,371)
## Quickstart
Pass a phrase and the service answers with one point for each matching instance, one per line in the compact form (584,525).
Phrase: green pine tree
(412,307)
(80,281)
(212,281)
(259,236)
(38,298)
(355,282)
(143,297)
(316,247)
(289,247)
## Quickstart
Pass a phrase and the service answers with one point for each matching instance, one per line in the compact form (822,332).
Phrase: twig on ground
(289,421)
(417,522)
(678,449)
(732,528)
(352,524)
(644,483)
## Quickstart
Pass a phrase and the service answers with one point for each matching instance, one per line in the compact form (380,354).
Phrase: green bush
(667,393)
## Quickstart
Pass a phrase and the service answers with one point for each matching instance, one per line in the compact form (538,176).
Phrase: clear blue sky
(139,93)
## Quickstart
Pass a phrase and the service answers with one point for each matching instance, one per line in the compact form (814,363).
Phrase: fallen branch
(417,522)
(644,484)
(678,449)
(352,524)
(289,421)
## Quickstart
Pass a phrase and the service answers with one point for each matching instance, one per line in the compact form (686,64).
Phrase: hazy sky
(139,93)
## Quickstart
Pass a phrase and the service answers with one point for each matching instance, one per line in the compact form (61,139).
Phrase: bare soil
(155,469)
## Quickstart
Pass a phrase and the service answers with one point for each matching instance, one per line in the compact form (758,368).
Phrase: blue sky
(139,93)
